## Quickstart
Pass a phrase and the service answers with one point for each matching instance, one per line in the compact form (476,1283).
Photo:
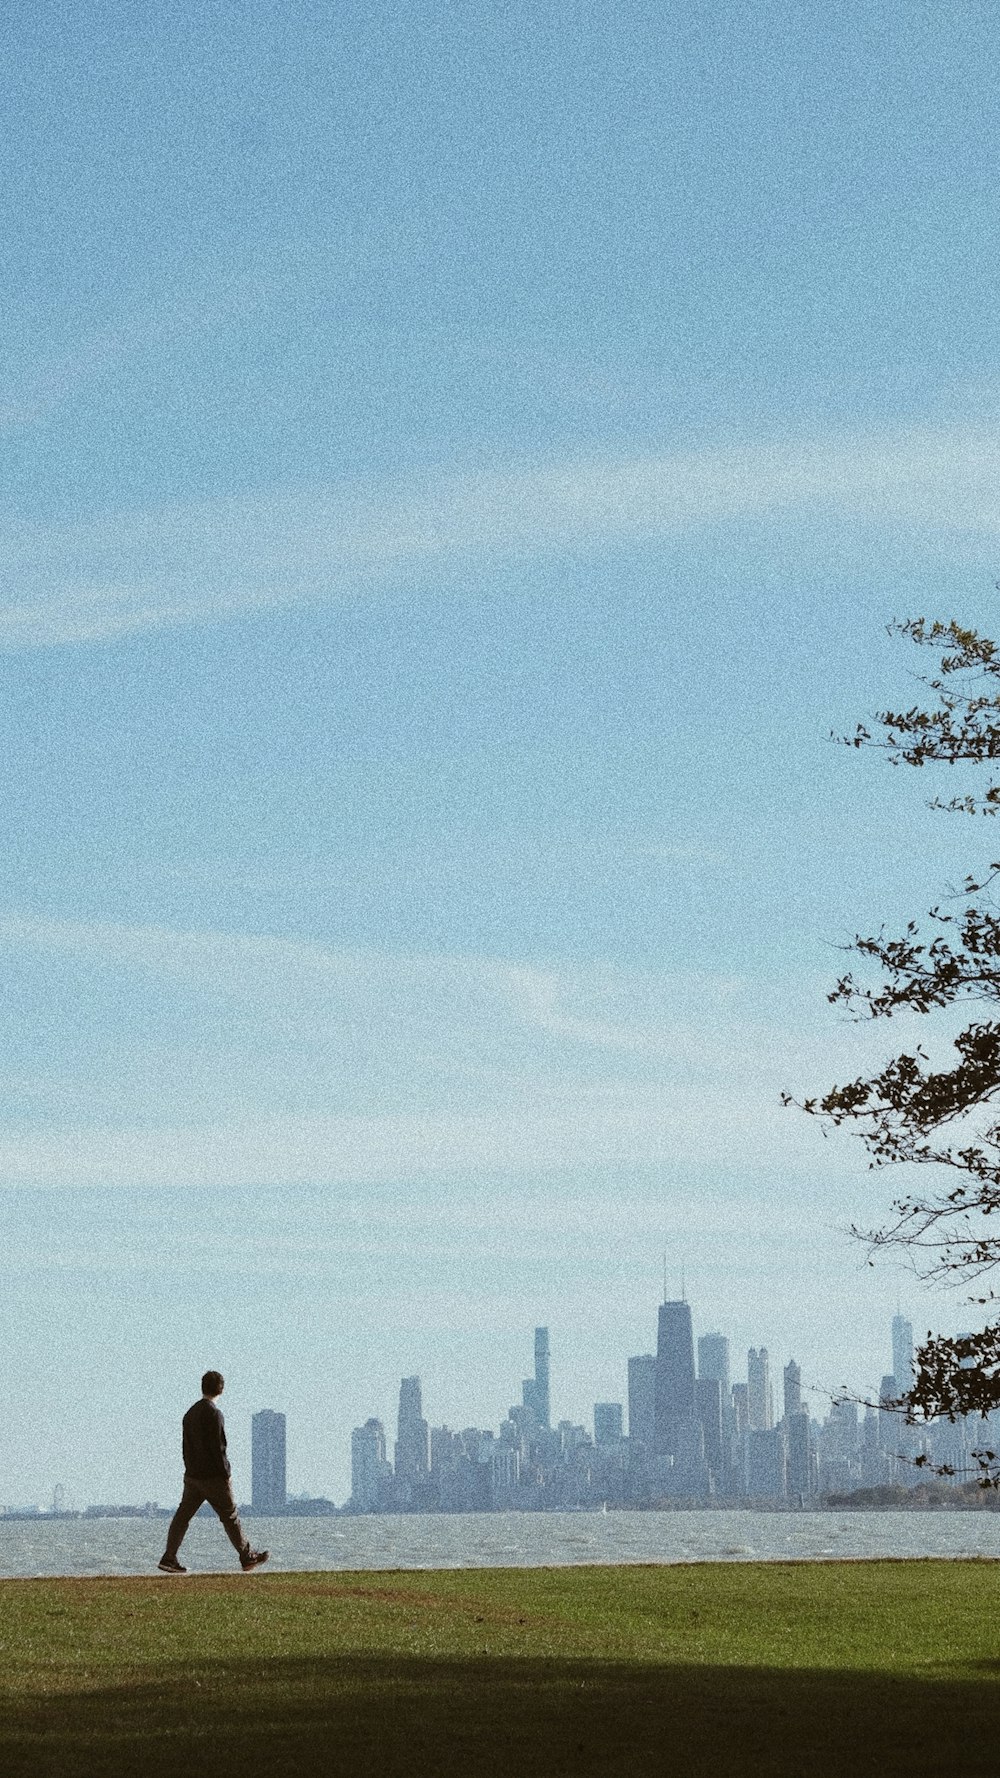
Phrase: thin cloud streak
(57,377)
(471,1067)
(212,560)
(374,1230)
(497,1022)
(621,1126)
(592,1007)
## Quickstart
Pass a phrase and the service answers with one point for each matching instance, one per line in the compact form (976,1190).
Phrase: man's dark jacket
(205,1441)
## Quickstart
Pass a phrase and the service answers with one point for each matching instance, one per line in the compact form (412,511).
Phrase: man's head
(212,1384)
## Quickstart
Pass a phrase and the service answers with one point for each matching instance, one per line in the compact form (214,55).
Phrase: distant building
(708,1401)
(688,1476)
(793,1389)
(675,1403)
(268,1490)
(446,1449)
(895,1437)
(890,1424)
(842,1429)
(571,1438)
(902,1352)
(607,1422)
(840,1449)
(802,1479)
(506,1474)
(760,1403)
(535,1390)
(713,1361)
(413,1453)
(642,1400)
(766,1471)
(371,1474)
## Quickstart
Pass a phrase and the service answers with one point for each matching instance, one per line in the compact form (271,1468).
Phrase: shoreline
(541,1568)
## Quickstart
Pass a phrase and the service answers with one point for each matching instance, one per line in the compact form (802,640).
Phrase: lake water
(498,1540)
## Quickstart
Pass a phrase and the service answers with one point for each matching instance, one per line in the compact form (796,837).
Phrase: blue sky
(458,464)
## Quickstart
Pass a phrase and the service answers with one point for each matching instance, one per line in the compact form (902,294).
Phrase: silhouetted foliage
(945,1119)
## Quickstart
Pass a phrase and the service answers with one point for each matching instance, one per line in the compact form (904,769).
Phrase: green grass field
(797,1670)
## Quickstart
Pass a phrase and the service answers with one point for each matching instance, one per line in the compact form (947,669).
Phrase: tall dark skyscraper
(535,1390)
(675,1394)
(413,1448)
(267,1459)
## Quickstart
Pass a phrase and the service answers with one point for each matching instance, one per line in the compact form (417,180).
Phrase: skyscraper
(675,1396)
(412,1435)
(767,1477)
(607,1422)
(370,1472)
(708,1397)
(842,1430)
(535,1390)
(760,1403)
(642,1400)
(267,1460)
(902,1352)
(793,1389)
(542,1408)
(713,1361)
(891,1430)
(801,1457)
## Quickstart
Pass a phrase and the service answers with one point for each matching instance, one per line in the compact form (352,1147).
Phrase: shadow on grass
(522,1718)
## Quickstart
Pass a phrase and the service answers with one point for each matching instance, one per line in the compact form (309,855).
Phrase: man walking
(206,1477)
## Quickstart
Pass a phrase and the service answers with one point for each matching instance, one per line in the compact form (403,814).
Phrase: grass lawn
(791,1670)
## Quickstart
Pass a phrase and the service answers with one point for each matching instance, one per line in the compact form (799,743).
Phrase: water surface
(498,1540)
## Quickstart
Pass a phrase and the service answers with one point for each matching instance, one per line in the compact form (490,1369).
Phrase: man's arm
(222,1441)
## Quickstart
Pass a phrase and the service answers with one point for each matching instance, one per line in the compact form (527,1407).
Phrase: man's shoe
(170,1565)
(253,1559)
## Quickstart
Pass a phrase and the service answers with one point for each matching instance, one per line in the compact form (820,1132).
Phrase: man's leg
(219,1494)
(191,1500)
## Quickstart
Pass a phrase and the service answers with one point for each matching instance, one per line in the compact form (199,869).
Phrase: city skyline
(464,1342)
(690,1437)
(680,1438)
(471,1365)
(667,1385)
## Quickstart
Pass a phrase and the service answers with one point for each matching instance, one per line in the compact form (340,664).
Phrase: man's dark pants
(218,1491)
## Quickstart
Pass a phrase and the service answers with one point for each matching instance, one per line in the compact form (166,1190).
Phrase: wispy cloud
(625,1129)
(55,377)
(276,1062)
(193,563)
(595,1007)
